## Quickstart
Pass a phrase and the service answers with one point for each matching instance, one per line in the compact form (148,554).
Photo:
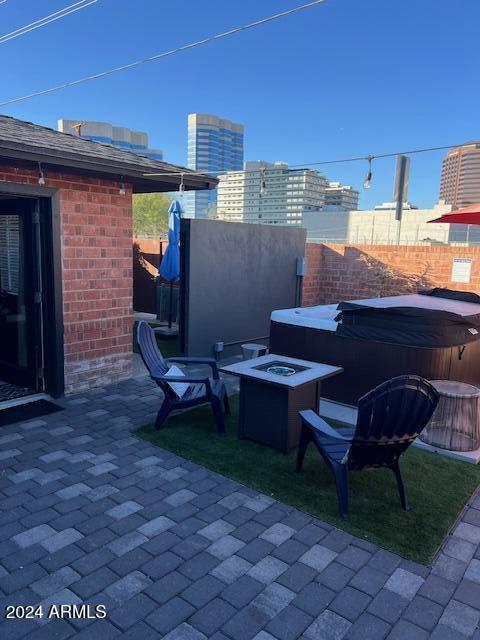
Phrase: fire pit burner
(281,371)
(279,368)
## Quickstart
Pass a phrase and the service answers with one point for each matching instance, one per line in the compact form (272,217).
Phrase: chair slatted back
(390,417)
(151,355)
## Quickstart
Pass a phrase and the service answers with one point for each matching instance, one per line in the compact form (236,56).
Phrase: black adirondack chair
(201,389)
(390,417)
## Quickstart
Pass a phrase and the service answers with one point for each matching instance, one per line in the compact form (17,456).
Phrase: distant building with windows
(341,197)
(214,145)
(460,187)
(270,193)
(122,137)
(379,225)
(460,181)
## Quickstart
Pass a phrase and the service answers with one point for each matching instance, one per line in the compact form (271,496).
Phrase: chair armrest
(316,423)
(189,379)
(194,360)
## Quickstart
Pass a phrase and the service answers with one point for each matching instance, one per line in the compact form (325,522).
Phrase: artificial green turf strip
(437,487)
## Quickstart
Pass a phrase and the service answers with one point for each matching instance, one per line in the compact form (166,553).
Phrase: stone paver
(33,535)
(268,569)
(94,515)
(328,626)
(473,571)
(55,581)
(318,557)
(368,627)
(404,583)
(289,623)
(231,569)
(388,606)
(225,547)
(277,533)
(460,617)
(273,599)
(61,539)
(124,509)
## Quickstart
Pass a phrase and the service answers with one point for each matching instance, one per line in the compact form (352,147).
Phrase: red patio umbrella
(467,215)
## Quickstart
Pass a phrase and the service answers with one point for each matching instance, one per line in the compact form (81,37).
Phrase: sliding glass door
(21,349)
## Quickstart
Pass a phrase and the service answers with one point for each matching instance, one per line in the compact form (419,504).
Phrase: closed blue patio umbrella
(170,265)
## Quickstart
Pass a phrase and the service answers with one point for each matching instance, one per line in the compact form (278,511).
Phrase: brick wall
(96,242)
(341,272)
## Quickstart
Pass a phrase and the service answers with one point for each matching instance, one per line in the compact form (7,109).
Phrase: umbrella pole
(170,306)
(158,280)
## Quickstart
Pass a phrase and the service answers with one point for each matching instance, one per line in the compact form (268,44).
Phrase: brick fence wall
(96,242)
(338,272)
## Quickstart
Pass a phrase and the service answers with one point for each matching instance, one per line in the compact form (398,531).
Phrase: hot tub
(379,338)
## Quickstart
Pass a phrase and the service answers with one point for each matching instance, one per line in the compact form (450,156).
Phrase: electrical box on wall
(301,266)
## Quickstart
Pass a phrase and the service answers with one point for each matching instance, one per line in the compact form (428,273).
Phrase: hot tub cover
(414,326)
(451,294)
(439,317)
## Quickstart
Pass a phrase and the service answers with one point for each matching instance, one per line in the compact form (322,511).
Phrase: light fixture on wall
(181,188)
(368,177)
(41,177)
(121,191)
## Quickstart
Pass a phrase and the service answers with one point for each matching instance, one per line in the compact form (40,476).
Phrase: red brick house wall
(338,272)
(96,245)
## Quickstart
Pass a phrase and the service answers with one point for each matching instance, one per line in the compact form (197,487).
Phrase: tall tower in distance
(214,145)
(460,182)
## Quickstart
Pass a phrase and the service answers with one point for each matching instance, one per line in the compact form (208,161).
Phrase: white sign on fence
(461,270)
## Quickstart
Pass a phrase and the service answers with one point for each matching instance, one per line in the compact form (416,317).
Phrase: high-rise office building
(269,193)
(460,182)
(214,145)
(134,141)
(341,197)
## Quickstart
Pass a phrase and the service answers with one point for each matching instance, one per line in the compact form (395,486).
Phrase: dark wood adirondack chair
(390,417)
(201,389)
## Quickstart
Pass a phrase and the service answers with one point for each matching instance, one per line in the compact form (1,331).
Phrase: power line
(77,6)
(306,165)
(375,156)
(166,54)
(62,13)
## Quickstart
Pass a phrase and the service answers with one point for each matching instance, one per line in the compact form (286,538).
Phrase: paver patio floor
(92,515)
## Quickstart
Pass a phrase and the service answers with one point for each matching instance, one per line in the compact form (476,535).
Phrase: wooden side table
(455,424)
(270,402)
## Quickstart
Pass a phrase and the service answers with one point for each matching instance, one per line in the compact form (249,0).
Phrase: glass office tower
(214,145)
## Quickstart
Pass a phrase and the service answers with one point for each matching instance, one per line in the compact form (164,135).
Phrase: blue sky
(347,78)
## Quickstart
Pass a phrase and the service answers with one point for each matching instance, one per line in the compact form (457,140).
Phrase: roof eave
(131,172)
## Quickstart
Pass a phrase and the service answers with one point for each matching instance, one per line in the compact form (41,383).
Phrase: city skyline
(337,195)
(303,94)
(218,159)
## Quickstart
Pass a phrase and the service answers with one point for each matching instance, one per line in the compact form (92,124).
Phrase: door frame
(50,223)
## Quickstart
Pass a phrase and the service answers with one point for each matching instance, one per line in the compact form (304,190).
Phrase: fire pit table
(273,389)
